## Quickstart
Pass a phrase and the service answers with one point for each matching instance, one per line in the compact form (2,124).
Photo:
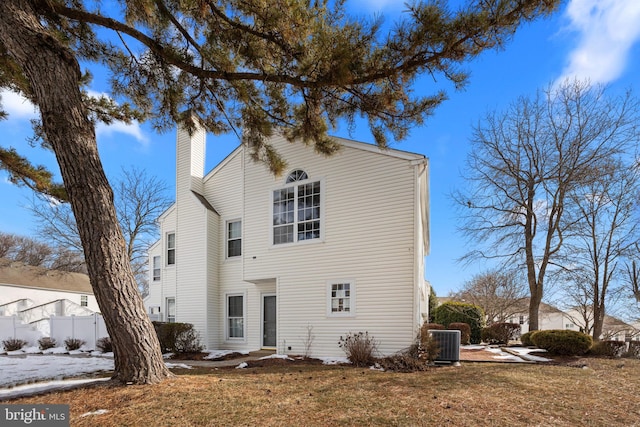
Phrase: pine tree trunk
(53,74)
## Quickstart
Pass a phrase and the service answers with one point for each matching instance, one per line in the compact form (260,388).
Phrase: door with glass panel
(269,321)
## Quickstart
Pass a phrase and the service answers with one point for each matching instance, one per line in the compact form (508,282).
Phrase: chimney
(190,152)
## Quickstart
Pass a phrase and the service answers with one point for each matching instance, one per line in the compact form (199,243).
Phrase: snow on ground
(217,354)
(31,368)
(526,352)
(334,360)
(501,355)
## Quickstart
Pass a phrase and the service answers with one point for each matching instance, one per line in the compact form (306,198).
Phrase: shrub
(177,337)
(460,312)
(360,348)
(13,344)
(46,343)
(608,348)
(500,333)
(436,326)
(403,362)
(634,350)
(427,348)
(104,345)
(526,339)
(465,331)
(562,342)
(73,343)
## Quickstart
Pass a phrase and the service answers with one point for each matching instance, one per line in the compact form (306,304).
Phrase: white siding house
(34,294)
(334,245)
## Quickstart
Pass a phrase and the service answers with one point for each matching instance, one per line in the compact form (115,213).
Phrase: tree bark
(53,73)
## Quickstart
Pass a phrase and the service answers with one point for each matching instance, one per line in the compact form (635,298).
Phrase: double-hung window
(84,300)
(171,249)
(235,316)
(156,268)
(296,210)
(234,239)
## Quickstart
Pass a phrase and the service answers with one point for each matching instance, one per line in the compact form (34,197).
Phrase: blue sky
(594,39)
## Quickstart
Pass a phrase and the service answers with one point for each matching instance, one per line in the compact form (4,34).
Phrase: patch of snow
(167,355)
(177,365)
(28,389)
(506,356)
(55,350)
(473,347)
(334,360)
(32,350)
(242,365)
(216,354)
(98,412)
(15,353)
(276,356)
(376,367)
(32,368)
(527,352)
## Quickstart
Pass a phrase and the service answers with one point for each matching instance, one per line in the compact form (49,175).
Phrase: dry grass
(476,394)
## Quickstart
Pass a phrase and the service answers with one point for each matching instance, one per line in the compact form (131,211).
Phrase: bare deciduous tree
(139,200)
(523,165)
(500,294)
(604,230)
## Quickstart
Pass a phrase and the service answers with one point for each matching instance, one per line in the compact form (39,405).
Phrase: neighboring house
(34,294)
(294,262)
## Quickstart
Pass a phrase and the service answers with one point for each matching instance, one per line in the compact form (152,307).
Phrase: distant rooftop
(19,274)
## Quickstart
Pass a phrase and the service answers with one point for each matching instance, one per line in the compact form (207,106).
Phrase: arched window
(296,209)
(297,175)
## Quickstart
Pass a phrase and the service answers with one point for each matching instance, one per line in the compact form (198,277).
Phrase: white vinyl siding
(368,231)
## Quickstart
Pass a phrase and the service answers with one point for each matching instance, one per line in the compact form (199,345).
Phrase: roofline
(392,152)
(47,289)
(223,162)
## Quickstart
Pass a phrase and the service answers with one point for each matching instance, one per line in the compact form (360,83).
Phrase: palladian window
(296,210)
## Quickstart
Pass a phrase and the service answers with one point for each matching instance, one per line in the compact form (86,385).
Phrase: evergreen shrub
(177,337)
(563,342)
(460,312)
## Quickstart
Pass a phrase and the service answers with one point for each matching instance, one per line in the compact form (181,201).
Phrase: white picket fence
(87,328)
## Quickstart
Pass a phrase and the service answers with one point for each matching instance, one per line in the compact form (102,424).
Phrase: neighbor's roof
(15,273)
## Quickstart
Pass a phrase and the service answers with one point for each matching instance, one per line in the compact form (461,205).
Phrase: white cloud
(132,129)
(17,106)
(20,108)
(607,30)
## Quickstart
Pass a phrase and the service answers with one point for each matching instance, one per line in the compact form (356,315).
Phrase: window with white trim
(84,301)
(341,298)
(156,268)
(234,238)
(171,249)
(296,210)
(235,316)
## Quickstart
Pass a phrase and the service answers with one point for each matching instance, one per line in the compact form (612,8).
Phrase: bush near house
(360,348)
(526,339)
(178,337)
(608,348)
(73,343)
(13,344)
(465,331)
(563,342)
(634,350)
(104,345)
(500,333)
(46,343)
(460,312)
